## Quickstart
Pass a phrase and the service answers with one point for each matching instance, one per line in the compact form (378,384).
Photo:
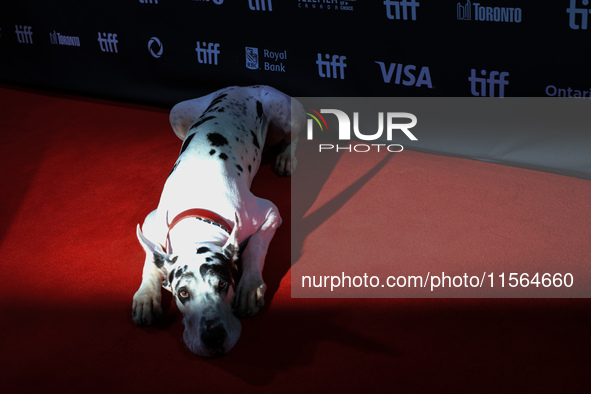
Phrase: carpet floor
(78,175)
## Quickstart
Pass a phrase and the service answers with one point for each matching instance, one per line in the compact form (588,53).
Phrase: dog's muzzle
(213,335)
(210,337)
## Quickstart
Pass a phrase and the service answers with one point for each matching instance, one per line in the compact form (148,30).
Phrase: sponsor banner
(327,5)
(61,39)
(481,12)
(24,34)
(266,59)
(466,48)
(370,219)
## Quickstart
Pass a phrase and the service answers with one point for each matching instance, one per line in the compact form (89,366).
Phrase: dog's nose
(213,335)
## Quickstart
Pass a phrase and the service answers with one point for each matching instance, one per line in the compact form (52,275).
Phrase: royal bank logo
(578,16)
(271,60)
(207,53)
(474,11)
(347,130)
(331,67)
(155,47)
(488,84)
(407,75)
(108,42)
(252,58)
(24,34)
(260,5)
(402,10)
(56,38)
(327,5)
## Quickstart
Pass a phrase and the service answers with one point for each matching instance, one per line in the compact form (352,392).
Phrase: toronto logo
(487,14)
(56,38)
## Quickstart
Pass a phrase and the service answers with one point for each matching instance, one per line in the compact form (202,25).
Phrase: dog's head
(202,284)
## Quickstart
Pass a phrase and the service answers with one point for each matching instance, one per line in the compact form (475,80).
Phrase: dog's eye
(184,293)
(222,284)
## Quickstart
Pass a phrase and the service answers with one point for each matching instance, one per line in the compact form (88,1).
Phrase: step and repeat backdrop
(161,51)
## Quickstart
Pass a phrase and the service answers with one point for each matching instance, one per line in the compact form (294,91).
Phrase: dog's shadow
(281,337)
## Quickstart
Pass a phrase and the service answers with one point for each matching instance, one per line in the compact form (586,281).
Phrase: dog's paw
(146,307)
(250,296)
(285,164)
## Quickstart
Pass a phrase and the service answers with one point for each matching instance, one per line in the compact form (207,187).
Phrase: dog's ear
(161,258)
(231,249)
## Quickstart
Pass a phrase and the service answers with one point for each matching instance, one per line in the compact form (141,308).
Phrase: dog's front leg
(251,288)
(147,307)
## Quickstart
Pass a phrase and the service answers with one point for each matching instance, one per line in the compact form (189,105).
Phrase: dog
(207,218)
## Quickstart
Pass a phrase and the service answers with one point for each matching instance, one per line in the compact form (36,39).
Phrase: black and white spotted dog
(207,215)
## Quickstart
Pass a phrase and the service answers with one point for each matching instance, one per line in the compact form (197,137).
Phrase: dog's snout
(213,334)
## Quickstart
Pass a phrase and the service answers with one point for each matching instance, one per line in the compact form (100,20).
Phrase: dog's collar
(200,214)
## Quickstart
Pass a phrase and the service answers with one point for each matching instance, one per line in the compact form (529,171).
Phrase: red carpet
(379,215)
(78,174)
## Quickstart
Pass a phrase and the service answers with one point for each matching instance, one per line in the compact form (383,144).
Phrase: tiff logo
(572,11)
(465,11)
(495,78)
(401,9)
(326,66)
(24,34)
(208,54)
(149,1)
(260,5)
(108,42)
